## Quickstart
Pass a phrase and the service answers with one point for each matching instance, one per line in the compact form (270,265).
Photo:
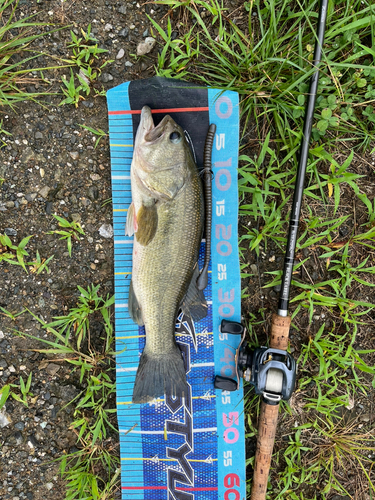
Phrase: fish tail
(159,375)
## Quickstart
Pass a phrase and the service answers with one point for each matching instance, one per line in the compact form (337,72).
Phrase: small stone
(73,199)
(38,135)
(128,64)
(106,231)
(51,117)
(49,486)
(365,418)
(122,9)
(85,202)
(32,442)
(23,368)
(44,191)
(3,363)
(75,217)
(41,172)
(1,336)
(132,27)
(74,155)
(95,177)
(10,232)
(47,396)
(52,369)
(4,418)
(11,369)
(17,436)
(20,426)
(145,33)
(254,269)
(108,27)
(93,193)
(31,196)
(43,364)
(93,266)
(145,47)
(106,77)
(49,206)
(124,32)
(9,204)
(23,201)
(120,54)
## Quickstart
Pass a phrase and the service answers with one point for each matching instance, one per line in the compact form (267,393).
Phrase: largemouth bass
(166,218)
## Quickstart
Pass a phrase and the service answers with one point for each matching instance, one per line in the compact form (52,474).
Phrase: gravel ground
(50,166)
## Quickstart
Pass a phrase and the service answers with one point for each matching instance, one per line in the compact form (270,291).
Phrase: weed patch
(264,51)
(93,470)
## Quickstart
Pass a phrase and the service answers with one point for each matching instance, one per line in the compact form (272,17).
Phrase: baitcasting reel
(272,372)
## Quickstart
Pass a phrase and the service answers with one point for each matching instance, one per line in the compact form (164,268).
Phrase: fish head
(162,156)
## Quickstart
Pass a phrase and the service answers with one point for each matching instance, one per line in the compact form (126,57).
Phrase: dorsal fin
(194,303)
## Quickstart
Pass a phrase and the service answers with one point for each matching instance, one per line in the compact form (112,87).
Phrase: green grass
(17,54)
(85,57)
(71,231)
(264,51)
(9,252)
(93,470)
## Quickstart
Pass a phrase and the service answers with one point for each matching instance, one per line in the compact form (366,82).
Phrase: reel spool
(272,372)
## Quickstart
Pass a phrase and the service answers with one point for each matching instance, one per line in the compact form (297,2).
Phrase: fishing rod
(272,370)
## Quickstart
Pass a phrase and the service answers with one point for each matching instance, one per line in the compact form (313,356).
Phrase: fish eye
(175,137)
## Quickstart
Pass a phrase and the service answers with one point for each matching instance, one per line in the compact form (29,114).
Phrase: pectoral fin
(194,303)
(131,225)
(134,307)
(147,222)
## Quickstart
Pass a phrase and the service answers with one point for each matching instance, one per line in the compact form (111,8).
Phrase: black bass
(166,218)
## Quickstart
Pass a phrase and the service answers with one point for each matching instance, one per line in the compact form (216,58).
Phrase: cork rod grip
(280,332)
(266,439)
(268,417)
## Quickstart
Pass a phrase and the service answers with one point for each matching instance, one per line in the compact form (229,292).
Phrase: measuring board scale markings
(193,447)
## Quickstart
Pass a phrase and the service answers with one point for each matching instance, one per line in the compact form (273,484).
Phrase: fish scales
(166,217)
(165,266)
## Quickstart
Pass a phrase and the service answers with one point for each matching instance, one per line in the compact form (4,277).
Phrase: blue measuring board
(192,447)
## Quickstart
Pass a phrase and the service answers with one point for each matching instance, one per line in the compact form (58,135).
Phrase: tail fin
(159,375)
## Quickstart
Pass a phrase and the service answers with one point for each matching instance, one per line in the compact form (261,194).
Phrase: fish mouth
(145,126)
(148,132)
(157,132)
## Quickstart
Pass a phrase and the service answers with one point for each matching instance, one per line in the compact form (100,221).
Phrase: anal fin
(194,303)
(134,307)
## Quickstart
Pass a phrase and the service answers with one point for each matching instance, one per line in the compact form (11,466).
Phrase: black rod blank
(302,164)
